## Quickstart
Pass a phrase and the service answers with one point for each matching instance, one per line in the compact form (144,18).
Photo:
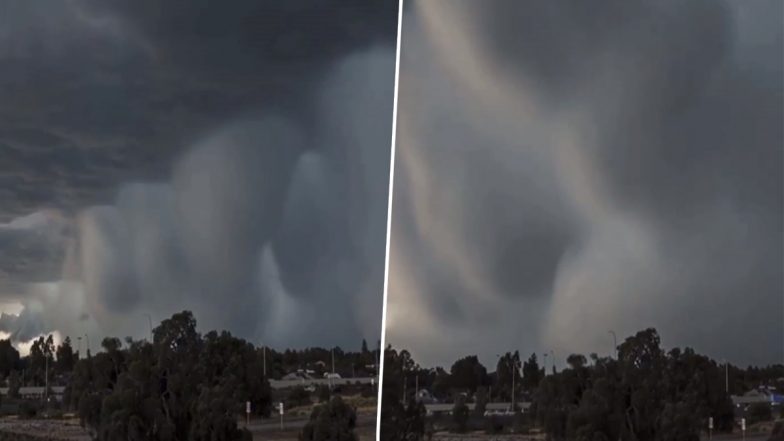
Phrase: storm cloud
(223,159)
(566,169)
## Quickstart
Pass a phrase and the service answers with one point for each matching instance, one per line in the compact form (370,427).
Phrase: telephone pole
(46,375)
(264,358)
(726,377)
(615,344)
(149,322)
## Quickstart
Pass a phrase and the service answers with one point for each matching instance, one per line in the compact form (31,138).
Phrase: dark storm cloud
(173,139)
(623,161)
(121,87)
(32,250)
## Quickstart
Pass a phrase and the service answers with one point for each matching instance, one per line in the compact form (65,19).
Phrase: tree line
(181,385)
(644,393)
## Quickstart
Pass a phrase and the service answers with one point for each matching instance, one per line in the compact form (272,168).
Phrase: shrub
(493,425)
(298,396)
(368,392)
(323,394)
(27,410)
(759,412)
(460,415)
(334,421)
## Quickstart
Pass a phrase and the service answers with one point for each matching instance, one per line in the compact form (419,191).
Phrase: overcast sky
(565,169)
(231,159)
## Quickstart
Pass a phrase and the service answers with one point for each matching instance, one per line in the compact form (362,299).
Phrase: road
(738,437)
(282,384)
(270,428)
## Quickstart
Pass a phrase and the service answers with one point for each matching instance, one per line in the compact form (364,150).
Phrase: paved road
(738,437)
(281,384)
(273,424)
(269,429)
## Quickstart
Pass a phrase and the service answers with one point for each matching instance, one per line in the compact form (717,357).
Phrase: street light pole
(726,377)
(512,365)
(264,358)
(46,375)
(149,322)
(514,371)
(615,344)
(552,359)
(332,375)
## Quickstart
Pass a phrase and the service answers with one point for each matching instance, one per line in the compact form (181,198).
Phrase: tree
(65,356)
(480,399)
(297,397)
(468,374)
(759,412)
(213,420)
(507,367)
(14,383)
(399,421)
(324,394)
(460,415)
(9,357)
(532,374)
(181,386)
(644,395)
(334,421)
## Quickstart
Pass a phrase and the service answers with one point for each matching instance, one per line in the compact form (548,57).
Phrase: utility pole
(79,351)
(378,368)
(512,365)
(332,375)
(46,373)
(726,377)
(545,364)
(87,337)
(264,358)
(553,359)
(615,344)
(513,384)
(416,390)
(149,322)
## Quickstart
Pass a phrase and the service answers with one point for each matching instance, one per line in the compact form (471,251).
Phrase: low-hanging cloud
(242,189)
(565,170)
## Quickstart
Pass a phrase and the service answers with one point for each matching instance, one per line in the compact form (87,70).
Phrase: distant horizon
(524,355)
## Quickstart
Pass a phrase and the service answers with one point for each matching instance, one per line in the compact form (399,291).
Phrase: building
(437,409)
(37,392)
(424,396)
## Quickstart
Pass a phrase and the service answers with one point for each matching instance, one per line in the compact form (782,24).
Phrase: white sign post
(280,411)
(743,427)
(710,427)
(247,413)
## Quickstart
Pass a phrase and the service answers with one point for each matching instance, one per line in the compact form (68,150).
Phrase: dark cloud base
(171,147)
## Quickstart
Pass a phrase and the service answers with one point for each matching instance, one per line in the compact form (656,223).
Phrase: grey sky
(566,169)
(229,159)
